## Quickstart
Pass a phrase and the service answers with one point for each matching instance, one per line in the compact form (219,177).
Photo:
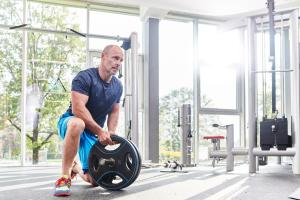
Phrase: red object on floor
(213,137)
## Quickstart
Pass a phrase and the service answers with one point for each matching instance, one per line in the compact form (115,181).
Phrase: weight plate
(114,167)
(140,159)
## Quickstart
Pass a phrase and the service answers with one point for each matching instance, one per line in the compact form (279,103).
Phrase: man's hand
(113,133)
(104,138)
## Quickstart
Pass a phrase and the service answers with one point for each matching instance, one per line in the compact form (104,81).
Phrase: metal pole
(196,85)
(134,74)
(272,51)
(251,25)
(68,32)
(242,89)
(229,147)
(128,94)
(87,42)
(24,85)
(274,152)
(186,139)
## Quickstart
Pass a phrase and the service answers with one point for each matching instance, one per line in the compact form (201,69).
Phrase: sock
(65,176)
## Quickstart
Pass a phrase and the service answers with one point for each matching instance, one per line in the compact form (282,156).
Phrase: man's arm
(79,109)
(113,118)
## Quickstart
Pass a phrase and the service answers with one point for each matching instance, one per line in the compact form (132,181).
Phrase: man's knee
(76,126)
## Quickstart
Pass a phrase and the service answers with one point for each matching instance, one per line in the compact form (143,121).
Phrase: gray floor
(274,182)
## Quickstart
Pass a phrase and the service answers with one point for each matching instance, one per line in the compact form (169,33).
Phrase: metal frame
(134,88)
(24,87)
(251,93)
(196,93)
(295,97)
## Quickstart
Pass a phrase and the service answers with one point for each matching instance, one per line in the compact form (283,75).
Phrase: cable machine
(273,130)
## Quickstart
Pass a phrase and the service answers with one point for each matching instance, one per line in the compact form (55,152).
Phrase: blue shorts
(87,140)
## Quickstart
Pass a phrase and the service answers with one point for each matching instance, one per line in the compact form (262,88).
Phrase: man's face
(112,60)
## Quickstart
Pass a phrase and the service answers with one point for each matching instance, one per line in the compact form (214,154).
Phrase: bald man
(95,96)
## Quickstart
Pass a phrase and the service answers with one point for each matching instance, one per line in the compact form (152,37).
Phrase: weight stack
(274,132)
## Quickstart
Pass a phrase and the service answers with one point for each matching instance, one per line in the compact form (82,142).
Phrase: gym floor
(274,182)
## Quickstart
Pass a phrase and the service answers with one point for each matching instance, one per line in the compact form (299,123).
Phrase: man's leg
(73,130)
(86,143)
(71,142)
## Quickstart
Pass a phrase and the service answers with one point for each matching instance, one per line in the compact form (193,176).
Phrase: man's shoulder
(86,73)
(91,70)
(117,81)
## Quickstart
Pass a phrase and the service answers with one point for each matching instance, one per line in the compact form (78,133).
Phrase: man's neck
(104,75)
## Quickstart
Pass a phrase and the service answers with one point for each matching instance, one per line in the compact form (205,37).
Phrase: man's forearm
(112,122)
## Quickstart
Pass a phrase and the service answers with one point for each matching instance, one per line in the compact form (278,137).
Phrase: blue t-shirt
(102,95)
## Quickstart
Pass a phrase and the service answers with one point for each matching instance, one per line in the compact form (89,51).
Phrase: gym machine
(273,131)
(184,121)
(230,151)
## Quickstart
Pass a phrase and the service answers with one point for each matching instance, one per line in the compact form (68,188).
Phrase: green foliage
(170,135)
(168,116)
(50,56)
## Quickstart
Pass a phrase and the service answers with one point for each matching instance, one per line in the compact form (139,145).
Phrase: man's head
(111,59)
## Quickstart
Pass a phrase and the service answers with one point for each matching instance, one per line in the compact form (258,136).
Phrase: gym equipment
(114,167)
(230,152)
(274,132)
(289,72)
(174,166)
(215,140)
(184,121)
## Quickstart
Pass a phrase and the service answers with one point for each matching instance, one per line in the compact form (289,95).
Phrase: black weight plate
(130,164)
(104,174)
(140,160)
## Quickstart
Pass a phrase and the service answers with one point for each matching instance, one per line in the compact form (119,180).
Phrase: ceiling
(213,8)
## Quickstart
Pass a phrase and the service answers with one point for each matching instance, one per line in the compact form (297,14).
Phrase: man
(95,96)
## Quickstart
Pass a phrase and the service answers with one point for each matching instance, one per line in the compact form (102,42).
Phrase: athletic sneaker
(62,186)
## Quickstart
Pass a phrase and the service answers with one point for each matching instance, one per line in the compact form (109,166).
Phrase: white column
(134,87)
(196,92)
(295,83)
(251,93)
(151,88)
(23,95)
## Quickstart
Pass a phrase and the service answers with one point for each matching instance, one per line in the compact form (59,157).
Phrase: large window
(117,25)
(54,58)
(220,56)
(175,82)
(10,80)
(10,94)
(220,65)
(54,17)
(11,12)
